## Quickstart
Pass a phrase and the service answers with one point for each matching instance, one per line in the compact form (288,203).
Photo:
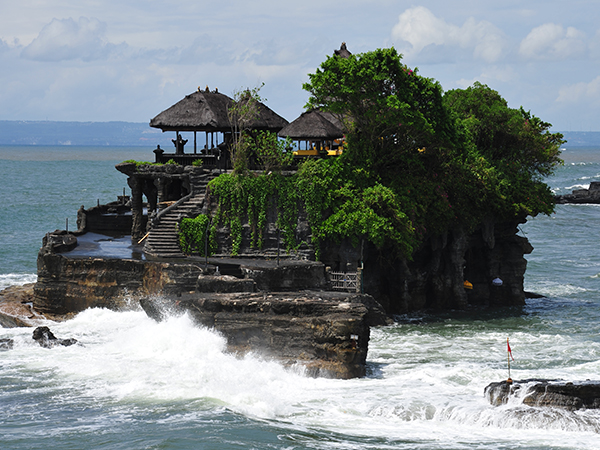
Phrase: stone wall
(434,278)
(67,285)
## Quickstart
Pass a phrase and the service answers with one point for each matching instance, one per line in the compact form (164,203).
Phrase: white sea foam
(12,279)
(426,383)
(578,186)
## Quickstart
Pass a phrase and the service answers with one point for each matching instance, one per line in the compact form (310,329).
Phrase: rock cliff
(435,276)
(326,332)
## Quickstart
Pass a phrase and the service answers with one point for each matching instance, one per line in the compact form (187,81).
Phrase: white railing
(345,281)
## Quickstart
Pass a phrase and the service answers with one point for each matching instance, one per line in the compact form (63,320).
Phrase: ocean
(132,383)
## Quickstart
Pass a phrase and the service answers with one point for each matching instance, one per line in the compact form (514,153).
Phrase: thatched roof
(207,111)
(315,125)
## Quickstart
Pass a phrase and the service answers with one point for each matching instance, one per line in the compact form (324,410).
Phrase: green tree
(505,135)
(515,148)
(449,160)
(388,108)
(272,153)
(242,112)
(417,163)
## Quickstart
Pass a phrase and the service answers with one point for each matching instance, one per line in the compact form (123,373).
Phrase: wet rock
(69,285)
(571,395)
(326,332)
(45,337)
(6,344)
(61,241)
(224,284)
(582,196)
(16,307)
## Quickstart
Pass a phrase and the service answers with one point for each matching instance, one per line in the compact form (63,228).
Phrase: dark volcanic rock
(45,337)
(327,332)
(553,393)
(70,285)
(224,284)
(60,241)
(582,196)
(434,278)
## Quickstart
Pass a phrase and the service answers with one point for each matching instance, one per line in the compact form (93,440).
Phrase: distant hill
(17,132)
(582,138)
(13,132)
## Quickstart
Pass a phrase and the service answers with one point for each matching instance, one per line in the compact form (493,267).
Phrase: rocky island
(403,199)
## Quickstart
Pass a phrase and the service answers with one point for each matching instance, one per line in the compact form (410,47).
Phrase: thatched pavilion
(317,129)
(207,111)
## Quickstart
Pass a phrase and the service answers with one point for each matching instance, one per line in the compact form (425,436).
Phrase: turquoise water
(137,384)
(43,187)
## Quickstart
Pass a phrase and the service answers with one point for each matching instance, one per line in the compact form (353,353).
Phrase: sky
(128,60)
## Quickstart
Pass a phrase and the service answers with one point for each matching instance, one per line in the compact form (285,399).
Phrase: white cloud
(421,28)
(580,92)
(491,75)
(66,39)
(553,42)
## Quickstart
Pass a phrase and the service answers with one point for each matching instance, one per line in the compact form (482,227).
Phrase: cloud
(553,42)
(580,92)
(421,28)
(66,39)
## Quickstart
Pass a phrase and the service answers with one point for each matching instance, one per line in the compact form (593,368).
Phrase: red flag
(509,350)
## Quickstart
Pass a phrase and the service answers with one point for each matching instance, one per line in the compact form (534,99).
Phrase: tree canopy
(416,162)
(436,160)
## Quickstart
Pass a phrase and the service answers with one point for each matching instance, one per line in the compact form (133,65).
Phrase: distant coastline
(31,132)
(24,132)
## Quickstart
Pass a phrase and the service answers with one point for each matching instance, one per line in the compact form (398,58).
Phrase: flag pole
(508,356)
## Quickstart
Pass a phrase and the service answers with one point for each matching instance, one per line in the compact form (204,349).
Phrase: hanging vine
(249,197)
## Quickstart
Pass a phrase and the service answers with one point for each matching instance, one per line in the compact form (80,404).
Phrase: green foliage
(247,197)
(416,162)
(504,135)
(193,235)
(141,163)
(516,148)
(172,162)
(347,202)
(242,112)
(390,110)
(271,152)
(197,163)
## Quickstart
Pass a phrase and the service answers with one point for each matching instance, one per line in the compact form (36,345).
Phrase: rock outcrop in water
(326,332)
(16,307)
(46,339)
(434,278)
(582,196)
(256,299)
(548,393)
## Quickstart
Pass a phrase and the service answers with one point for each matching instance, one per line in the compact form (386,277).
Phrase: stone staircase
(162,240)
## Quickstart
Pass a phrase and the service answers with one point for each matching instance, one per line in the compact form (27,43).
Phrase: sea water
(132,383)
